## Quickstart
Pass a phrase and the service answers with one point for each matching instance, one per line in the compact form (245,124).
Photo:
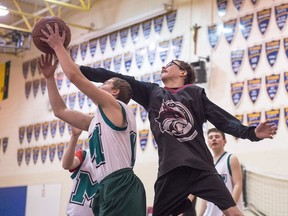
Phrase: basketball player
(228,167)
(79,164)
(112,132)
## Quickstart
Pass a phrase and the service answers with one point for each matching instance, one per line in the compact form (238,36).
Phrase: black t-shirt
(176,120)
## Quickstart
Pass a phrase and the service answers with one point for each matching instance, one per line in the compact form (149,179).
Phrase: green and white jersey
(84,187)
(112,148)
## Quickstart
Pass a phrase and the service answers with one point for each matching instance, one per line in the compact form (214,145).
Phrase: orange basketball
(41,24)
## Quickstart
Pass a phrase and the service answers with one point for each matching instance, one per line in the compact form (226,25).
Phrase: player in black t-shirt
(177,113)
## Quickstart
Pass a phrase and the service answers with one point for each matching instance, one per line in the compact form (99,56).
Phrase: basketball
(41,24)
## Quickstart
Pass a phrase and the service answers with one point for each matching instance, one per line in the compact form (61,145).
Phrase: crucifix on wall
(195,30)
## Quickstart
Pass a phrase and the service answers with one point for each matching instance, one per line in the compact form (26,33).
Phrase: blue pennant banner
(272,85)
(254,87)
(246,25)
(263,18)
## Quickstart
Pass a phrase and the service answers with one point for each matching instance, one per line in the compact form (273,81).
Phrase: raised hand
(53,38)
(46,65)
(266,130)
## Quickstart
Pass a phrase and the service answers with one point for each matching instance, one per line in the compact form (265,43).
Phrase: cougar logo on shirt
(175,119)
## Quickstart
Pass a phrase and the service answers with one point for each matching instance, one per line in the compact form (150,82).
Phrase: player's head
(119,88)
(179,68)
(216,138)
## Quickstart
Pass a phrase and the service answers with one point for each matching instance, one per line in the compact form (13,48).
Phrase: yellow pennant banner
(4,80)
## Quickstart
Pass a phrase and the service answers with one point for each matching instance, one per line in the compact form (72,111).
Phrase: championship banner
(272,85)
(246,23)
(151,52)
(35,86)
(158,23)
(64,98)
(254,54)
(229,30)
(45,126)
(213,35)
(139,56)
(177,45)
(25,69)
(83,49)
(222,7)
(253,119)
(281,12)
(143,114)
(37,129)
(286,81)
(97,64)
(143,138)
(117,60)
(272,49)
(4,80)
(72,100)
(263,18)
(93,46)
(53,127)
(81,99)
(128,60)
(240,117)
(146,27)
(29,131)
(146,78)
(113,39)
(79,145)
(89,102)
(285,43)
(286,115)
(5,144)
(52,152)
(44,153)
(59,80)
(254,87)
(157,78)
(134,32)
(273,116)
(74,52)
(33,66)
(237,4)
(163,50)
(103,41)
(69,129)
(154,142)
(21,134)
(254,2)
(35,153)
(107,63)
(28,86)
(20,154)
(236,60)
(236,92)
(171,19)
(133,107)
(43,85)
(124,36)
(60,150)
(27,153)
(61,126)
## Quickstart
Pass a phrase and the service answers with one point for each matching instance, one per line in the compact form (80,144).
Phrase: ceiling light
(3,11)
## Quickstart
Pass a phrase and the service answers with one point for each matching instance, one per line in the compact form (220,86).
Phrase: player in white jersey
(84,182)
(120,191)
(229,169)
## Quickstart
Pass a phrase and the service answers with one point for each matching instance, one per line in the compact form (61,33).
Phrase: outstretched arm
(236,178)
(70,161)
(75,118)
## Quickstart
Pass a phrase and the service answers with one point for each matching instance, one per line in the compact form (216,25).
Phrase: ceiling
(15,28)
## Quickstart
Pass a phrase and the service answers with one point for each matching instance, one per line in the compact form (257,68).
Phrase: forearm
(237,190)
(56,101)
(68,157)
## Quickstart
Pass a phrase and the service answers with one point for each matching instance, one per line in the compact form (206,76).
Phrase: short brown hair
(190,77)
(215,130)
(125,90)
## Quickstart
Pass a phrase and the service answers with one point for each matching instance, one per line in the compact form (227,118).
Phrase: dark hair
(125,90)
(216,131)
(190,77)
